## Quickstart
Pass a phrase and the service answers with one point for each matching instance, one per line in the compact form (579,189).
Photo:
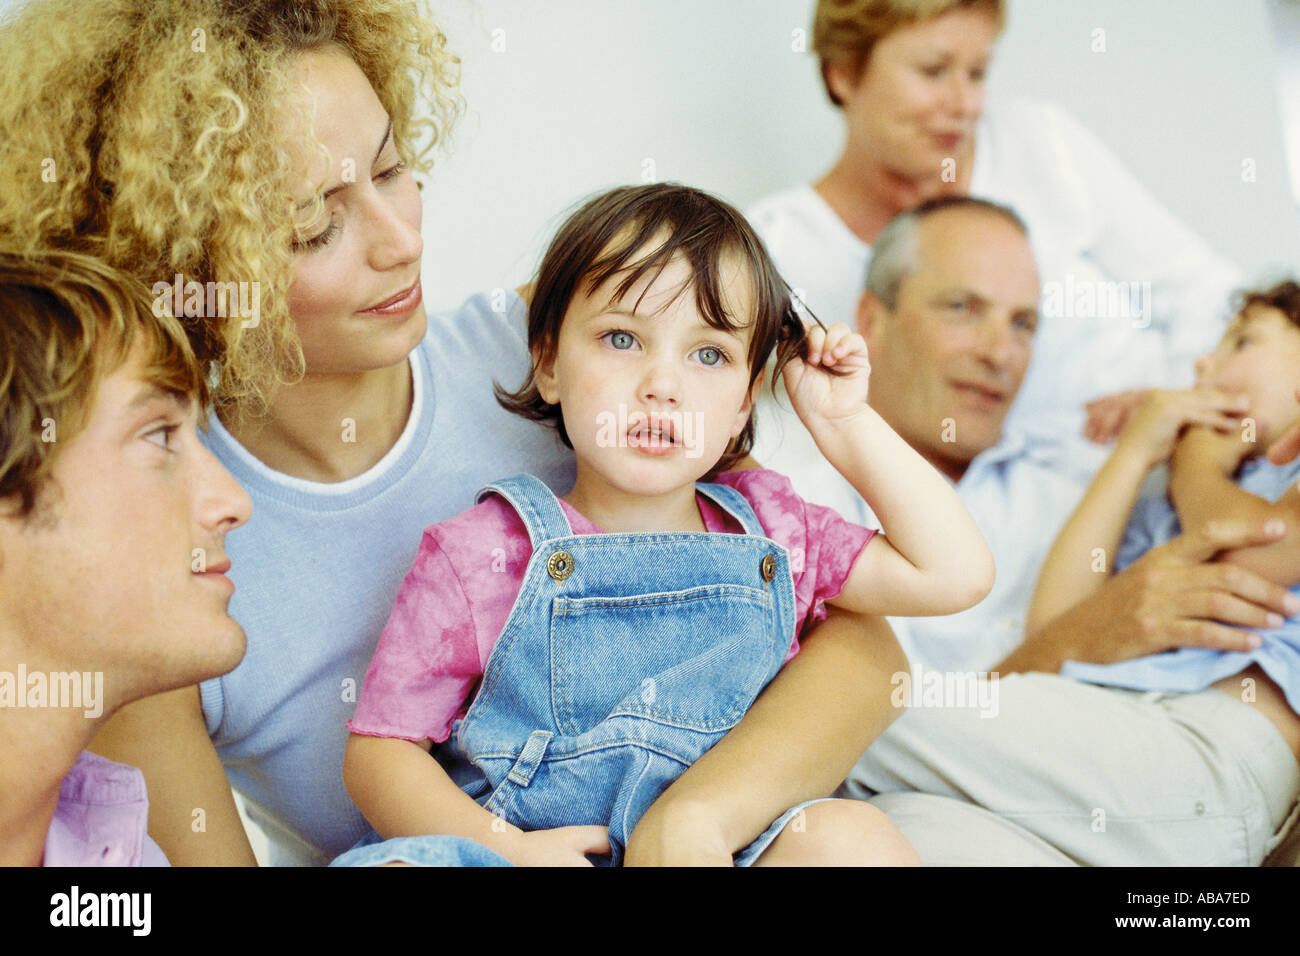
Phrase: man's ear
(869,313)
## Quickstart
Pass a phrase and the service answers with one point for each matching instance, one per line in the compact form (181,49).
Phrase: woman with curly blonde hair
(261,153)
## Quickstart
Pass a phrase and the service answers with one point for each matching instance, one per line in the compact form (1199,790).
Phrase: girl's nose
(661,384)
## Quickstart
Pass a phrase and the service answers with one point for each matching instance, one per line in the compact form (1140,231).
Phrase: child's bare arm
(403,791)
(934,559)
(1202,490)
(1094,530)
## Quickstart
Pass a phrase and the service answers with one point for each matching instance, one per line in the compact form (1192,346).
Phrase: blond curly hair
(150,133)
(844,31)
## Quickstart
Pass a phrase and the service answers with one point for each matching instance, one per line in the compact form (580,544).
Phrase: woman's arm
(797,742)
(1134,236)
(192,812)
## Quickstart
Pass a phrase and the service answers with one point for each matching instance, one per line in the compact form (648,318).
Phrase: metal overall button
(559,565)
(767,567)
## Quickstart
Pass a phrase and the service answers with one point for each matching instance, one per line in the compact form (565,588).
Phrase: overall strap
(734,503)
(536,505)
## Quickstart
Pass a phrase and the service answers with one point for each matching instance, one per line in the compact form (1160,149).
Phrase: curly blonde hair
(150,133)
(844,31)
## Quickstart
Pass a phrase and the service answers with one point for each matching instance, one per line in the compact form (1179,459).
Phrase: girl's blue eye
(620,340)
(710,355)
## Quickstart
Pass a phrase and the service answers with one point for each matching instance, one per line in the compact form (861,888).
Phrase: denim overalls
(624,659)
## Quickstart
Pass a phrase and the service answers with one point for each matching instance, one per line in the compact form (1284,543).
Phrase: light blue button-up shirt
(1190,669)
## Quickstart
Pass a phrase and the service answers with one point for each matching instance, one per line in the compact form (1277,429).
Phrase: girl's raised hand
(818,396)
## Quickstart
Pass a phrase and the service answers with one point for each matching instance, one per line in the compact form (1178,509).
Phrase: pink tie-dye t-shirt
(455,601)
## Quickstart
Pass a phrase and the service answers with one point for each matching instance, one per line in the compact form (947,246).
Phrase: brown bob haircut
(633,232)
(67,321)
(1284,296)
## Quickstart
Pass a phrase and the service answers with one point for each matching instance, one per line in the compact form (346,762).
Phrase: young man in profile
(112,564)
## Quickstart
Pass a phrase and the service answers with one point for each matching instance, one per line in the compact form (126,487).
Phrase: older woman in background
(1130,295)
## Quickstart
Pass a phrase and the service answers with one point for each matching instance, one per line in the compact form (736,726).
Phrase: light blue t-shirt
(1192,669)
(318,566)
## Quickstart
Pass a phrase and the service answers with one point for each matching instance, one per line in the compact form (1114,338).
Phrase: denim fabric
(372,850)
(619,666)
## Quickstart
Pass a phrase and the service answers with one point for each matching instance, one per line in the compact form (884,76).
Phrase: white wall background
(585,90)
(1287,43)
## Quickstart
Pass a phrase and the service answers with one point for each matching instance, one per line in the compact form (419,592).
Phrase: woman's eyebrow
(388,131)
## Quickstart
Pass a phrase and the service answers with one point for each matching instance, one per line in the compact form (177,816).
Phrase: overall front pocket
(694,658)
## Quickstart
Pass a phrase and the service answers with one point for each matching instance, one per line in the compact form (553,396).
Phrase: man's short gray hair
(895,256)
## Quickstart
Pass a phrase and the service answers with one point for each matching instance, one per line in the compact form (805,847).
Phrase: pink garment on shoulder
(456,599)
(102,817)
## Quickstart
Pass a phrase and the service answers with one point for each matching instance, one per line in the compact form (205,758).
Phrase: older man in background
(949,315)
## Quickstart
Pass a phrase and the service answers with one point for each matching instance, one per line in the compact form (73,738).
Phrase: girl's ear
(544,377)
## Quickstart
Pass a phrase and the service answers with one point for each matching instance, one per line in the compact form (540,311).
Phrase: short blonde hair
(845,31)
(69,320)
(150,133)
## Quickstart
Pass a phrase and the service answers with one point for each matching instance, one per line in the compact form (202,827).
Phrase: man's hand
(1174,596)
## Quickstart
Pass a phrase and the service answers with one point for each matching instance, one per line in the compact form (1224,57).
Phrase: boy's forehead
(1256,313)
(130,389)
